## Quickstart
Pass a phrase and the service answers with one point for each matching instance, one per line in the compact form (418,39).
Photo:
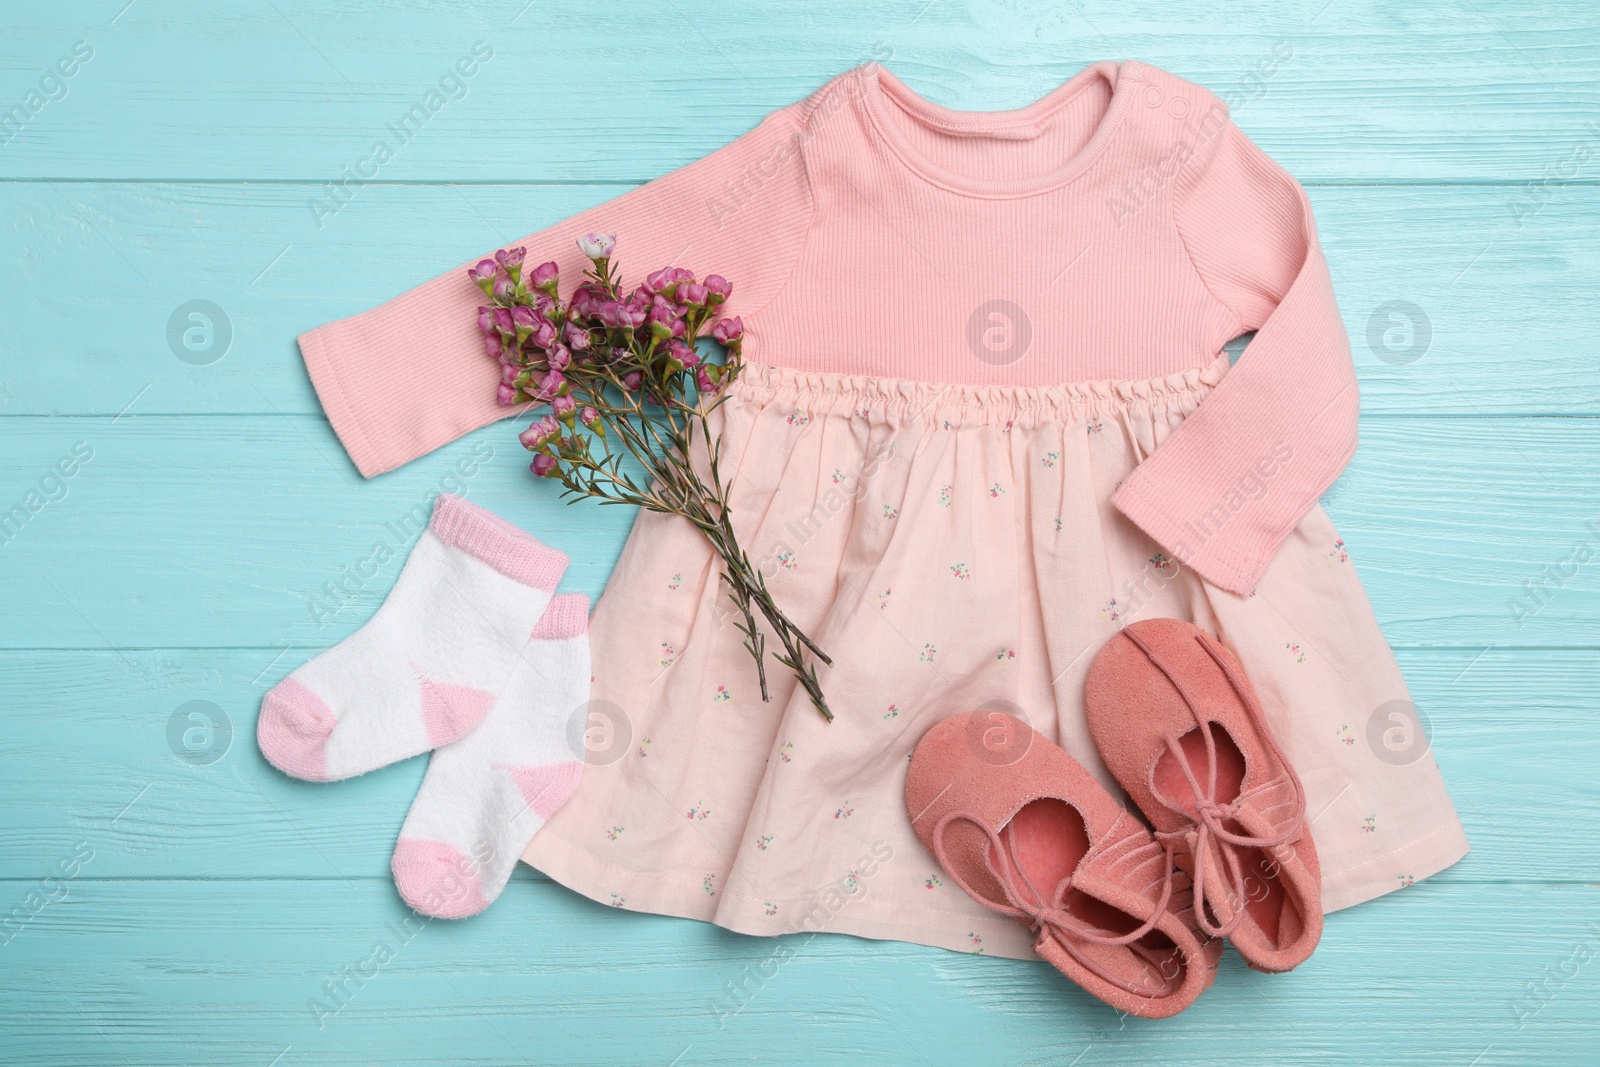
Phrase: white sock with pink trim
(484,796)
(425,669)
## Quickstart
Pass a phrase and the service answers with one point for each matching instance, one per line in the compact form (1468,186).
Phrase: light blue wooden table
(166,897)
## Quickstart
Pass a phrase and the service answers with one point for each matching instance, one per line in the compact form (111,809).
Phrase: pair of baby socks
(474,656)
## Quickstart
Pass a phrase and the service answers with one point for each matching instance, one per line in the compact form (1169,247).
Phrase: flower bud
(546,276)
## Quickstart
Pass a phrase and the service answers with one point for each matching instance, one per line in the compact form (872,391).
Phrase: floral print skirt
(952,548)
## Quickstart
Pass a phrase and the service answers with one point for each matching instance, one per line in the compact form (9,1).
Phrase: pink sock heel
(293,731)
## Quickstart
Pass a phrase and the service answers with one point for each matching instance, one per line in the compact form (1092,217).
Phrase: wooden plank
(301,92)
(91,751)
(184,532)
(1455,254)
(154,972)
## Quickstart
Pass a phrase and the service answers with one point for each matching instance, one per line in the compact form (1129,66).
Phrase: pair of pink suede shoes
(1134,917)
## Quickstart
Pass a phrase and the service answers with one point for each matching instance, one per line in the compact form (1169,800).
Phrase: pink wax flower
(684,354)
(558,357)
(483,275)
(577,337)
(718,288)
(544,466)
(540,431)
(545,276)
(694,293)
(524,318)
(597,245)
(505,396)
(727,331)
(551,386)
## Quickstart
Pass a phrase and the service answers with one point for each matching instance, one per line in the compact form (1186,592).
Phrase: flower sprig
(625,384)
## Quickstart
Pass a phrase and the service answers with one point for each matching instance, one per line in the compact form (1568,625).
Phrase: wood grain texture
(1452,154)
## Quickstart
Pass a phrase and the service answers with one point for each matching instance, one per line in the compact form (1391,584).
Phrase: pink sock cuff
(518,555)
(567,616)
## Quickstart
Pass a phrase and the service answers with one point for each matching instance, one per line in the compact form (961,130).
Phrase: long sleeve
(411,375)
(1229,484)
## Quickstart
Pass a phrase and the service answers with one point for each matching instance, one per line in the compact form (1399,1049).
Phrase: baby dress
(986,420)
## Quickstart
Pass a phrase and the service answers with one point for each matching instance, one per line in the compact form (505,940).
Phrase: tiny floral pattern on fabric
(944,495)
(769,907)
(1369,825)
(1406,879)
(786,753)
(892,713)
(614,833)
(698,813)
(669,655)
(883,599)
(1006,654)
(616,901)
(722,696)
(1093,427)
(960,571)
(844,811)
(1161,563)
(838,476)
(763,841)
(1112,610)
(708,885)
(996,491)
(1346,735)
(675,582)
(932,881)
(786,561)
(1339,553)
(1294,651)
(928,652)
(890,513)
(1049,458)
(644,748)
(976,941)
